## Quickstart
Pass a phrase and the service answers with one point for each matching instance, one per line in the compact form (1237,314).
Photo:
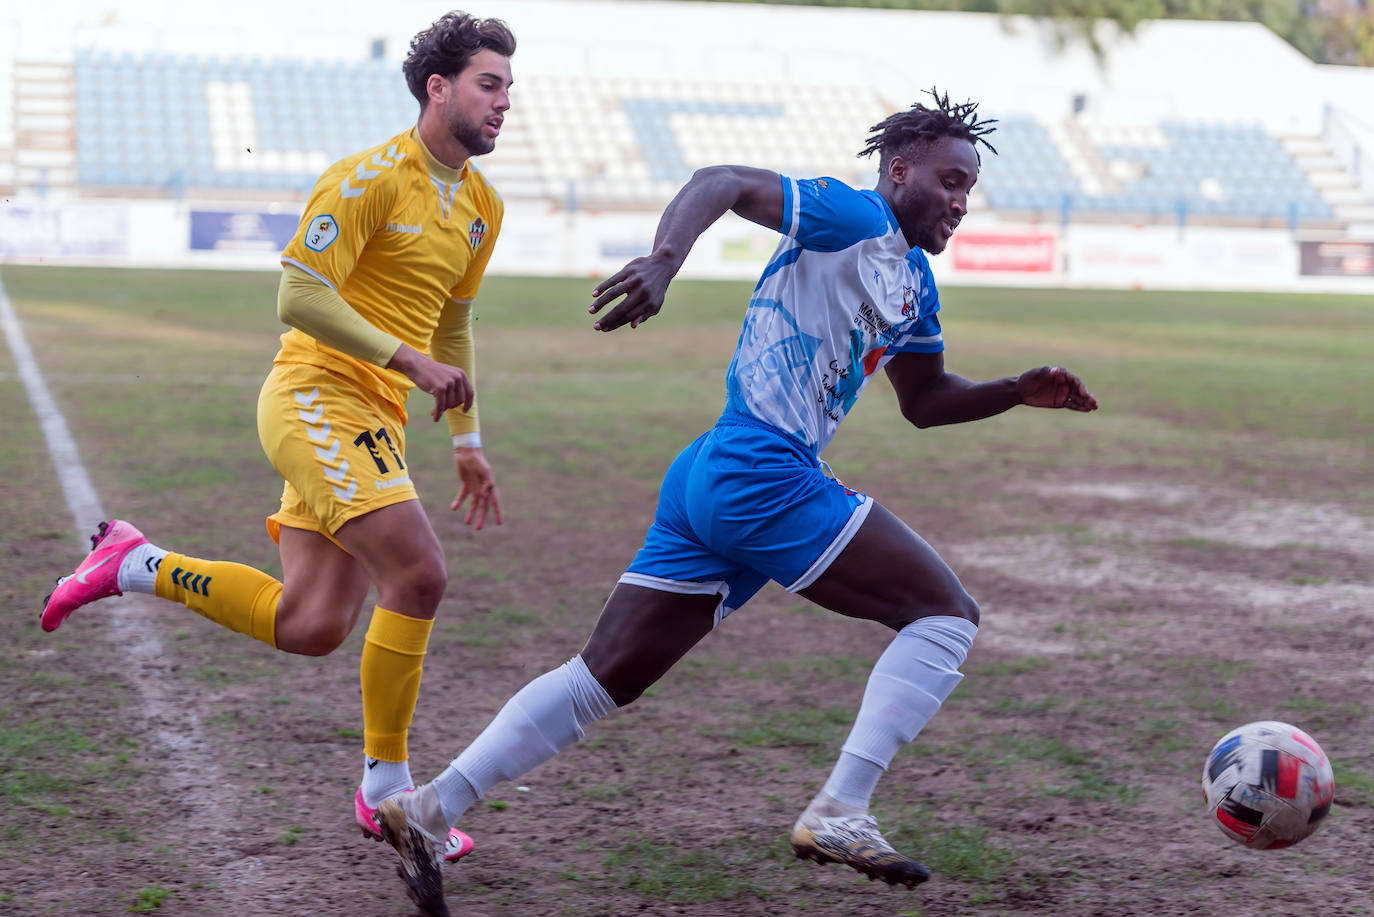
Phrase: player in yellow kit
(377,286)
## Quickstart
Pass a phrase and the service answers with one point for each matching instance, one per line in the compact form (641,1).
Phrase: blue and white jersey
(842,295)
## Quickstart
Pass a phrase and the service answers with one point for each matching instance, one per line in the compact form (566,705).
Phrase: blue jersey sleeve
(922,298)
(826,215)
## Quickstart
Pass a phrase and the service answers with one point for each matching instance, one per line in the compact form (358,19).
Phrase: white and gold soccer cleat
(853,840)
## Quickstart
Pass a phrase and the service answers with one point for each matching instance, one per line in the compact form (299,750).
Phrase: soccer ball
(1268,785)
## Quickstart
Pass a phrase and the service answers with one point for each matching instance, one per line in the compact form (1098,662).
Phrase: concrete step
(50,158)
(45,105)
(52,175)
(1348,194)
(25,122)
(1321,180)
(1301,145)
(41,71)
(1354,213)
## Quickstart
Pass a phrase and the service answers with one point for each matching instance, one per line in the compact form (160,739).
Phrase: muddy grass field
(1196,555)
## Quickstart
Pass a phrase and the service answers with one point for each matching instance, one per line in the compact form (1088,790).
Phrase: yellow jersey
(397,234)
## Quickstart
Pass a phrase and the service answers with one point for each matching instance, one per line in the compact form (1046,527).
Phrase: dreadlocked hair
(922,125)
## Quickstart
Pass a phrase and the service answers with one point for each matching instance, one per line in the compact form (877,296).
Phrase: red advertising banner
(1026,253)
(1338,259)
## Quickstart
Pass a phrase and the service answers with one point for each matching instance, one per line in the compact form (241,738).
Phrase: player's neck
(884,189)
(440,144)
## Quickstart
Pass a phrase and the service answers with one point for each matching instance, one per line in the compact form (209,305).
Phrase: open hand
(476,481)
(643,282)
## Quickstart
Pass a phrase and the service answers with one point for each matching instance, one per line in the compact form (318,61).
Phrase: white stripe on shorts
(681,587)
(832,551)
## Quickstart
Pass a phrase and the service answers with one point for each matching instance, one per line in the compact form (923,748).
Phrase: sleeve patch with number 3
(323,231)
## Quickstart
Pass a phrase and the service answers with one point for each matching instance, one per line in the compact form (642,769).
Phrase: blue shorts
(741,505)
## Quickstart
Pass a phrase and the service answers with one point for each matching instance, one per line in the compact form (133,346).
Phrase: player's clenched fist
(1054,387)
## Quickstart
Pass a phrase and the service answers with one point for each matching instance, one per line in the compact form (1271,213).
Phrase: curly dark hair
(445,47)
(918,126)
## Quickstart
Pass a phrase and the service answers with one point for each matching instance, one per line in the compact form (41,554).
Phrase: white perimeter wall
(536,240)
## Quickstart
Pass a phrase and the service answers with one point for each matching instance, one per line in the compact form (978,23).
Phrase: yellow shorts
(340,448)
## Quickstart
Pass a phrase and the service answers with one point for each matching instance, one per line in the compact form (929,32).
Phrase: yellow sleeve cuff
(453,344)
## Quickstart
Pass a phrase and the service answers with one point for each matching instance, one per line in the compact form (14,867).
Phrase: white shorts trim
(682,587)
(828,556)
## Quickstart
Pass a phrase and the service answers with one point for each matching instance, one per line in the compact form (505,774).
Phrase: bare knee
(619,681)
(414,589)
(312,631)
(322,641)
(967,609)
(959,605)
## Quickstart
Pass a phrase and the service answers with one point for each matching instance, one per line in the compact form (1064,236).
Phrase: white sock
(384,778)
(853,780)
(138,569)
(908,684)
(543,718)
(456,795)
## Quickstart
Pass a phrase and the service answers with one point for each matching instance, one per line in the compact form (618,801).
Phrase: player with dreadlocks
(848,292)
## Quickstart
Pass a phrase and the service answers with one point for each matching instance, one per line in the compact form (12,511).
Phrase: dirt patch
(1061,778)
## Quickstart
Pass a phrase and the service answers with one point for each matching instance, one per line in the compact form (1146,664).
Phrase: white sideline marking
(131,378)
(189,769)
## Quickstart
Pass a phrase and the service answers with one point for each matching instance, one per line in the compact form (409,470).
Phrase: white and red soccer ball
(1268,785)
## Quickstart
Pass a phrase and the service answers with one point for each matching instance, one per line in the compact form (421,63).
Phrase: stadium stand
(1170,169)
(166,124)
(120,116)
(160,124)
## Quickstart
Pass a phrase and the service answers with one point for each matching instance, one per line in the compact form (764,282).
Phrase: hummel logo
(151,565)
(191,582)
(81,576)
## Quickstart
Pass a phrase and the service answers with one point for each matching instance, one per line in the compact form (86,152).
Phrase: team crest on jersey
(908,302)
(321,233)
(477,231)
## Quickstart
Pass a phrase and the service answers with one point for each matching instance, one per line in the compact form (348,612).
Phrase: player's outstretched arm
(929,396)
(755,194)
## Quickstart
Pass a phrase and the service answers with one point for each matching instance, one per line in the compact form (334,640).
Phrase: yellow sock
(232,595)
(393,654)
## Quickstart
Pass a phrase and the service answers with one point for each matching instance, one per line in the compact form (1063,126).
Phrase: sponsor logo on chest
(872,320)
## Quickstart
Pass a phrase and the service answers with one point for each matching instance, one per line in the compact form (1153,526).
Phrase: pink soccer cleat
(456,847)
(96,578)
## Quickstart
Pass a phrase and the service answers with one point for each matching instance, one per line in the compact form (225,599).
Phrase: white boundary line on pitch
(189,767)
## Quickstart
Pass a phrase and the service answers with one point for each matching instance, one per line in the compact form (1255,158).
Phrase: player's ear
(437,87)
(898,170)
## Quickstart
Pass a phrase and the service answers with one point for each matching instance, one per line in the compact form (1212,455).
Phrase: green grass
(149,899)
(819,731)
(1354,784)
(291,835)
(33,770)
(961,852)
(1069,707)
(665,871)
